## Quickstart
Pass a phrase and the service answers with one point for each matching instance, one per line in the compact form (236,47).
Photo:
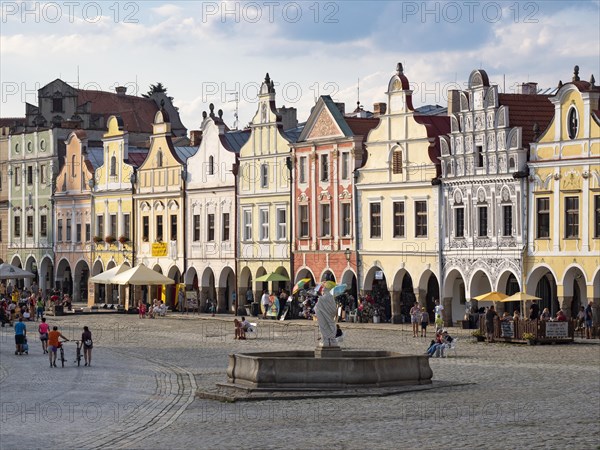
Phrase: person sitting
(245,325)
(239,331)
(506,317)
(516,315)
(560,316)
(435,343)
(545,315)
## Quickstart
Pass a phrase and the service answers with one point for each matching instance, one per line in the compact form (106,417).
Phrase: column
(396,306)
(447,312)
(221,300)
(565,304)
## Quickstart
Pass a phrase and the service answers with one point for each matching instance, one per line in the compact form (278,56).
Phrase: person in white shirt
(266,303)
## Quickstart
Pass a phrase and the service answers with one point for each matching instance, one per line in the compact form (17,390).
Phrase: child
(142,310)
(424,322)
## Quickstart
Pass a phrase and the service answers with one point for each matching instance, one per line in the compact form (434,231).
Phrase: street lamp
(347,254)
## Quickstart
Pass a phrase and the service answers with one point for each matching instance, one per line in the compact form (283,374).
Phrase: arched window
(397,161)
(113,166)
(73,173)
(511,163)
(449,168)
(211,165)
(159,159)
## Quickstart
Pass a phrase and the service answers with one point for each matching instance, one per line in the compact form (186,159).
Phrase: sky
(205,52)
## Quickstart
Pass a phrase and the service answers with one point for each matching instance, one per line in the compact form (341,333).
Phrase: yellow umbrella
(491,297)
(520,297)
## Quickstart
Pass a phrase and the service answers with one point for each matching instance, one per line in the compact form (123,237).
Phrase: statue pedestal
(328,352)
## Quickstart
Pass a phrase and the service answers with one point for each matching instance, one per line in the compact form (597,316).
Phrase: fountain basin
(301,370)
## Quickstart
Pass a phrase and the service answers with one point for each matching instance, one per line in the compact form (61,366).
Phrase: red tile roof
(136,159)
(137,112)
(526,110)
(11,121)
(361,126)
(436,126)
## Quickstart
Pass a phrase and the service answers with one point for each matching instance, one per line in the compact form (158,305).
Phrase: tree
(154,89)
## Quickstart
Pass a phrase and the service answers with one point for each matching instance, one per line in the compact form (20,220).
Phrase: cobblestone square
(140,392)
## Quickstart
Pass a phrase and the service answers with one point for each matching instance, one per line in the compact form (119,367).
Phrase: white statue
(326,312)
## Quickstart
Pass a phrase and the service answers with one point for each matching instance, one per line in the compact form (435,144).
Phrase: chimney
(528,88)
(379,109)
(453,101)
(288,117)
(341,108)
(121,90)
(195,137)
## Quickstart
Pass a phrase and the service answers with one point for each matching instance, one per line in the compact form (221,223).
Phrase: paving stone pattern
(140,392)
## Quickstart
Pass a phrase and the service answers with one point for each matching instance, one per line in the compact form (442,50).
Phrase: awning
(142,275)
(107,276)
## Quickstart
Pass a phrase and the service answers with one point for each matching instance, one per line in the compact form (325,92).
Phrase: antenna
(358,91)
(236,99)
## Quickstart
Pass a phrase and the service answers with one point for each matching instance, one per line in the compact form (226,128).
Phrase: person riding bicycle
(54,344)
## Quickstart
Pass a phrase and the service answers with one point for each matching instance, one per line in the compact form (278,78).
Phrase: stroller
(26,346)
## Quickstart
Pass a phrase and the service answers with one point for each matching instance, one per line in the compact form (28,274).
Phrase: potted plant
(109,239)
(530,338)
(98,239)
(123,239)
(158,238)
(478,335)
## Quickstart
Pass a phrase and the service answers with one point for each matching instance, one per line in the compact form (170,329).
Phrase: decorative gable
(324,126)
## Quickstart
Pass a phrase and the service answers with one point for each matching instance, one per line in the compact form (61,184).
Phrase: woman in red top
(43,329)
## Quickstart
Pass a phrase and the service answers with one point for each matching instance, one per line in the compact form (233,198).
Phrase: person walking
(88,344)
(424,322)
(415,313)
(490,315)
(265,302)
(54,343)
(20,336)
(589,320)
(43,329)
(40,308)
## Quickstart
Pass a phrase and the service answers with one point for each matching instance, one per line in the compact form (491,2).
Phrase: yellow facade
(563,258)
(112,212)
(396,180)
(264,199)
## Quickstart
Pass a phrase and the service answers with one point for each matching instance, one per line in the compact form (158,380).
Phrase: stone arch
(596,284)
(208,289)
(16,261)
(260,285)
(479,284)
(378,289)
(190,276)
(403,295)
(281,284)
(508,283)
(574,290)
(349,279)
(80,280)
(541,282)
(225,297)
(455,295)
(370,277)
(327,275)
(99,289)
(245,286)
(64,276)
(305,272)
(31,266)
(429,288)
(174,273)
(46,277)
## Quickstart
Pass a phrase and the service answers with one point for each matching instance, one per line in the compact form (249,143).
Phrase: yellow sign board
(159,249)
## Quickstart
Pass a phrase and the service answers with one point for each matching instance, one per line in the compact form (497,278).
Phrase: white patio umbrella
(142,275)
(107,276)
(10,272)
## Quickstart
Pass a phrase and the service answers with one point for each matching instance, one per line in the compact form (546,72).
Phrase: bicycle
(62,353)
(78,353)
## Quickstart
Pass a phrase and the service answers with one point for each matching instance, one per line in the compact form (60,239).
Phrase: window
(247,225)
(17,232)
(421,219)
(73,164)
(100,225)
(507,220)
(159,228)
(57,105)
(68,236)
(196,227)
(326,220)
(88,232)
(264,224)
(397,161)
(483,221)
(17,176)
(281,224)
(29,226)
(264,176)
(375,211)
(225,232)
(159,159)
(113,165)
(324,167)
(543,217)
(303,221)
(346,219)
(597,216)
(43,173)
(302,169)
(345,165)
(572,123)
(30,146)
(17,148)
(399,219)
(210,237)
(173,227)
(29,175)
(572,217)
(145,228)
(479,155)
(211,165)
(126,225)
(59,231)
(43,225)
(459,213)
(113,225)
(78,232)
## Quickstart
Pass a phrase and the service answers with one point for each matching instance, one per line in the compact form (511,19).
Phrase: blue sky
(309,48)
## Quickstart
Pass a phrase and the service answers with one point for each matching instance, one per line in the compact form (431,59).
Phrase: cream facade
(563,259)
(398,206)
(264,198)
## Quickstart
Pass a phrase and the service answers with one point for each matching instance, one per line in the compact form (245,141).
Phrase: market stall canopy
(493,296)
(107,276)
(272,277)
(142,275)
(520,297)
(300,284)
(10,272)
